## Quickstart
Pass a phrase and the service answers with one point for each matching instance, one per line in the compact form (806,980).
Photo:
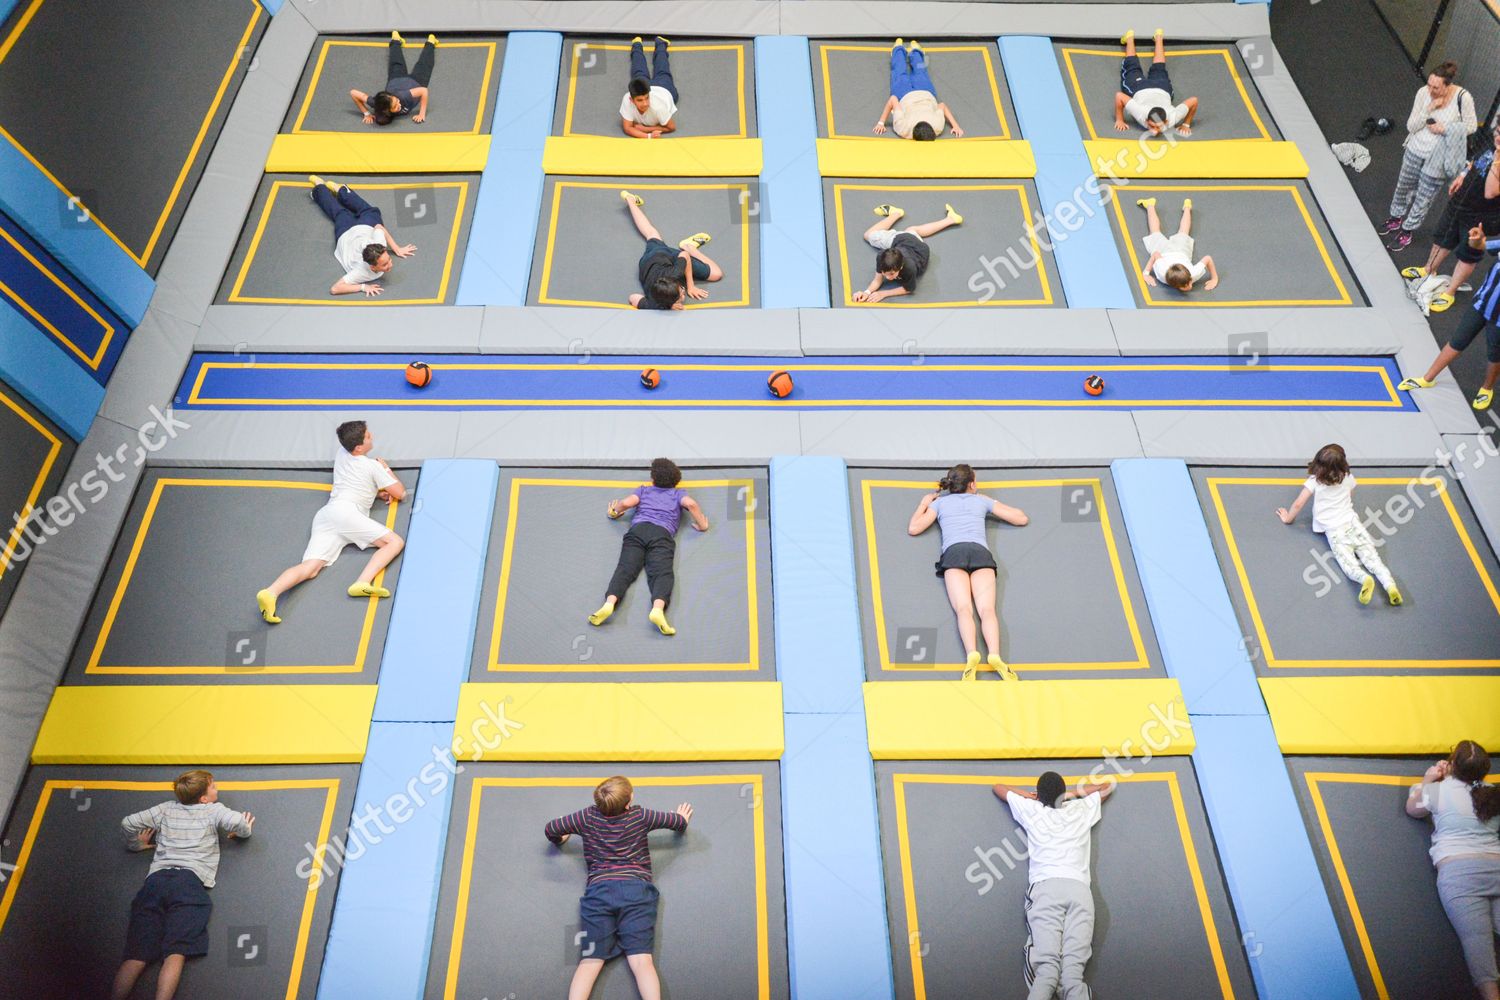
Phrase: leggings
(1470,891)
(1357,556)
(1414,193)
(421,72)
(651,546)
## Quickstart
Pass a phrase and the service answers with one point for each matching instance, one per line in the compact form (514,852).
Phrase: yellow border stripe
(885,50)
(1119,54)
(92,360)
(13,538)
(371,153)
(690,156)
(312,86)
(1407,714)
(738,48)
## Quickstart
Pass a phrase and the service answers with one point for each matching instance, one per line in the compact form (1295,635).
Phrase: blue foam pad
(42,371)
(819,655)
(1291,936)
(502,238)
(271,6)
(431,636)
(1196,627)
(793,268)
(835,888)
(381,936)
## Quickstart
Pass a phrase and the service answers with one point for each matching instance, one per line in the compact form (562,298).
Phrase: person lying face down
(668,279)
(649,109)
(1147,96)
(404,90)
(913,107)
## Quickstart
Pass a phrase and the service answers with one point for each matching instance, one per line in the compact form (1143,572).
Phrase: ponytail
(1486,801)
(957,480)
(1470,764)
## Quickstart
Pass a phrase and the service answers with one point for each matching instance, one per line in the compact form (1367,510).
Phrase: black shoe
(1366,130)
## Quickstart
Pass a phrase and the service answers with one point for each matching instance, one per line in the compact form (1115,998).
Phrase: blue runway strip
(498,382)
(793,254)
(39,369)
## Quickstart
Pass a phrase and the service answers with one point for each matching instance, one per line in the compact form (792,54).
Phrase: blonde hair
(191,786)
(613,795)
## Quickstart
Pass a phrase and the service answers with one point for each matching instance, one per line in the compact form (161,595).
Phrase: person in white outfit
(1441,120)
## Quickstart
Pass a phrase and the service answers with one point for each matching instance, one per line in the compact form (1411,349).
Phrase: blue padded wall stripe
(42,371)
(271,6)
(793,259)
(497,266)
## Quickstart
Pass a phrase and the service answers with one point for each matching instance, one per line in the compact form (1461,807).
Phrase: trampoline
(269,923)
(552,550)
(715,80)
(589,249)
(507,918)
(1378,874)
(1069,600)
(955,873)
(852,80)
(177,601)
(1298,611)
(463,85)
(1268,239)
(285,251)
(135,190)
(37,454)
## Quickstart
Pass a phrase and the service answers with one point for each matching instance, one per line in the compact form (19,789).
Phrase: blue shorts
(1133,79)
(169,916)
(618,917)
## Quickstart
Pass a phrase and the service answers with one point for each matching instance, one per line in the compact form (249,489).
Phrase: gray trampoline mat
(1384,853)
(291,251)
(968,868)
(1213,73)
(589,250)
(966,72)
(189,604)
(990,259)
(35,461)
(714,77)
(1060,601)
(1448,615)
(465,76)
(65,930)
(520,937)
(561,558)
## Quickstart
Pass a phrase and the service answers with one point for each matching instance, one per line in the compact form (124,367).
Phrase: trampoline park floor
(269,922)
(464,77)
(714,77)
(1069,599)
(1268,240)
(553,549)
(507,922)
(177,600)
(285,251)
(1379,876)
(588,248)
(135,190)
(1297,610)
(37,454)
(956,881)
(994,258)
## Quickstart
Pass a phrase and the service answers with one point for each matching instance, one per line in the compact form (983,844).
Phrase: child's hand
(1150,278)
(1286,516)
(1210,284)
(861,296)
(958,133)
(686,812)
(869,296)
(418,118)
(1184,129)
(1436,772)
(1476,238)
(880,127)
(1120,125)
(146,837)
(384,495)
(697,292)
(405,251)
(369,119)
(613,511)
(701,527)
(563,839)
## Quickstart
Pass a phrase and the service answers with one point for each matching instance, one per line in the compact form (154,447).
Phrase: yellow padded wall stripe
(1218,159)
(961,158)
(356,153)
(1382,715)
(595,155)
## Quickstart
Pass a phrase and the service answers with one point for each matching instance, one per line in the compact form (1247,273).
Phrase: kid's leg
(710,271)
(583,978)
(661,65)
(920,78)
(387,547)
(1369,557)
(647,982)
(638,68)
(638,216)
(1160,55)
(395,58)
(927,229)
(887,220)
(961,598)
(1343,542)
(900,71)
(289,578)
(422,71)
(660,554)
(1185,227)
(169,977)
(1153,221)
(130,971)
(983,583)
(632,558)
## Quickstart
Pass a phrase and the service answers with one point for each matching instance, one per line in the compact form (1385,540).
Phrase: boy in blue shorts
(618,908)
(668,278)
(1147,96)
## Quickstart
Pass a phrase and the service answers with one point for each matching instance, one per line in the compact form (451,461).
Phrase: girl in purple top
(966,565)
(651,541)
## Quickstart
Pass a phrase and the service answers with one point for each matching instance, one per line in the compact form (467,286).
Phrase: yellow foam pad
(378,153)
(207,724)
(959,720)
(1382,715)
(703,720)
(1217,159)
(596,155)
(963,158)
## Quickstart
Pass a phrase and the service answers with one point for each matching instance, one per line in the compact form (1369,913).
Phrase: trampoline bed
(37,454)
(507,919)
(553,548)
(714,77)
(1298,611)
(177,601)
(1070,602)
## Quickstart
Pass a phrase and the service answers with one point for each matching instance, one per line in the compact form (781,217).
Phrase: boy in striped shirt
(618,908)
(1485,316)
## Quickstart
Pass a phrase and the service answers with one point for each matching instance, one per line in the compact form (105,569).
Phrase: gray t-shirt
(186,836)
(961,517)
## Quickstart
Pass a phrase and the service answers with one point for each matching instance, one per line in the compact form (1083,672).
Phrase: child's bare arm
(1213,273)
(360,97)
(923,517)
(885,112)
(1288,515)
(1146,272)
(953,126)
(874,286)
(700,520)
(886,293)
(1010,515)
(1121,99)
(1004,792)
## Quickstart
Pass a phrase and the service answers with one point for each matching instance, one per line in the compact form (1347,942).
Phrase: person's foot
(1393,595)
(1125,38)
(1412,273)
(602,615)
(1366,590)
(1391,225)
(1400,241)
(367,590)
(900,43)
(695,242)
(636,40)
(1187,204)
(432,39)
(266,601)
(632,199)
(890,211)
(1158,33)
(953,215)
(665,40)
(1146,202)
(1483,398)
(396,37)
(971,666)
(1002,668)
(1416,382)
(658,618)
(317,181)
(914,46)
(1440,302)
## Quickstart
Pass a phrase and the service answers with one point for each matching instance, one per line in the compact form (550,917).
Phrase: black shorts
(1452,232)
(169,916)
(967,556)
(618,917)
(1469,326)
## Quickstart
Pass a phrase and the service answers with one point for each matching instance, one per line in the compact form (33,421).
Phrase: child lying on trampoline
(169,915)
(361,243)
(966,564)
(1147,96)
(913,107)
(649,108)
(358,480)
(403,90)
(618,908)
(668,279)
(904,254)
(1330,486)
(1171,261)
(651,541)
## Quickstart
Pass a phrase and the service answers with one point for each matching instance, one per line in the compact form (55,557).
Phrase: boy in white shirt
(1147,96)
(361,243)
(649,108)
(1171,261)
(358,480)
(913,107)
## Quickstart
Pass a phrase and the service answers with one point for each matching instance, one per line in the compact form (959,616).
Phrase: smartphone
(1432,121)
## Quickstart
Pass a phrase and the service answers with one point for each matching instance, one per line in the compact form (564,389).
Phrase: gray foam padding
(53,947)
(1473,456)
(556,567)
(968,869)
(36,460)
(966,73)
(1243,333)
(687,17)
(465,75)
(1207,73)
(246,330)
(1384,853)
(520,932)
(916,333)
(843,18)
(589,250)
(579,332)
(293,261)
(1446,403)
(156,355)
(714,77)
(1308,607)
(189,600)
(1259,240)
(1286,437)
(990,259)
(1060,600)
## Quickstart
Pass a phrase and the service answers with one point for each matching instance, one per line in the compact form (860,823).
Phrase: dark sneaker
(1400,241)
(1391,225)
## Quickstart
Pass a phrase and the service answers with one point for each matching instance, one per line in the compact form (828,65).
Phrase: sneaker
(632,199)
(1415,382)
(1409,273)
(694,242)
(1400,241)
(1483,398)
(1393,595)
(889,211)
(1366,590)
(1391,225)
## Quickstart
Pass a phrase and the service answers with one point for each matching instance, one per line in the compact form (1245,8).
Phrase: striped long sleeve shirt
(186,836)
(615,846)
(1487,299)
